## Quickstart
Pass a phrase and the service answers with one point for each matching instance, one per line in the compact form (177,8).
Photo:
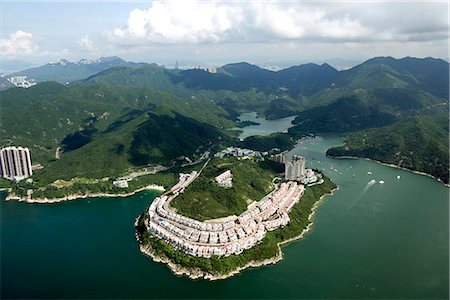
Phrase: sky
(217,32)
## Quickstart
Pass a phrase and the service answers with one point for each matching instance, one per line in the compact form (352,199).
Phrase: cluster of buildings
(121,183)
(279,158)
(221,237)
(15,163)
(295,169)
(238,152)
(211,70)
(225,179)
(22,81)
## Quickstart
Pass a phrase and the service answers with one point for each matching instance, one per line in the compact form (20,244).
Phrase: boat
(369,173)
(372,181)
(353,176)
(381,182)
(398,176)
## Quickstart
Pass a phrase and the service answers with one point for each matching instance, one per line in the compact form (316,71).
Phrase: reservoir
(368,241)
(265,127)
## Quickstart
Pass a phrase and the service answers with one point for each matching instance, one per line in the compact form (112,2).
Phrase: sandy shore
(197,273)
(392,166)
(83,196)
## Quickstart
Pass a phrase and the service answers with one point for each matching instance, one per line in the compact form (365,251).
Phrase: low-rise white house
(225,179)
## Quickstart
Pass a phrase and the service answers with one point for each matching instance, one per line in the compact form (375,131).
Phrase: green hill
(205,199)
(345,115)
(160,139)
(5,84)
(428,74)
(418,143)
(53,115)
(244,87)
(138,114)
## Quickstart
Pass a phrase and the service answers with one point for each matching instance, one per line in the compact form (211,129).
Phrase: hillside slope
(53,115)
(418,143)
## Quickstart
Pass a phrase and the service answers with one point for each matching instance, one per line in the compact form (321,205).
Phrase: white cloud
(180,22)
(293,21)
(191,21)
(18,43)
(86,43)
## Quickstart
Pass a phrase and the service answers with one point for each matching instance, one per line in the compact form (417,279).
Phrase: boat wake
(366,188)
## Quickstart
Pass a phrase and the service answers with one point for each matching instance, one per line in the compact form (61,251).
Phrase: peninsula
(221,247)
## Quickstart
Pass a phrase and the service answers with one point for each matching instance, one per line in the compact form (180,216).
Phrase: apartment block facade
(15,163)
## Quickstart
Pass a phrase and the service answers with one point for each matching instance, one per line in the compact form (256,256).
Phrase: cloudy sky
(215,32)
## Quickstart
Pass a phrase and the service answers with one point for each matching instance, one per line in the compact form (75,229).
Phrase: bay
(368,241)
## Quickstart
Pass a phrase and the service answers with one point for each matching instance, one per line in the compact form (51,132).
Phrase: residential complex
(15,163)
(22,81)
(295,169)
(238,152)
(279,158)
(221,237)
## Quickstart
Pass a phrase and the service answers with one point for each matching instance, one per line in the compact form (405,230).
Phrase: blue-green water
(382,241)
(265,127)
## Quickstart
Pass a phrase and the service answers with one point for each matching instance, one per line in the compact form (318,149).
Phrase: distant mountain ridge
(428,74)
(117,112)
(276,94)
(65,71)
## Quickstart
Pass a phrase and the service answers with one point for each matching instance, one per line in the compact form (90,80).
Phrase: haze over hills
(65,71)
(112,109)
(297,88)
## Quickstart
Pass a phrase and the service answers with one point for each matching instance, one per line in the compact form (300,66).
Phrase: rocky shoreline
(392,166)
(197,273)
(83,196)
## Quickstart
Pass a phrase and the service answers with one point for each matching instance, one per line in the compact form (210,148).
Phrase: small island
(234,213)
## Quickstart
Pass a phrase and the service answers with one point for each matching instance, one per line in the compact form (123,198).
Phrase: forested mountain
(104,119)
(5,84)
(345,115)
(418,143)
(65,71)
(144,114)
(286,92)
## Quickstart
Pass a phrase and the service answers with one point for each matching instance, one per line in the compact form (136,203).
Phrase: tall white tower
(15,163)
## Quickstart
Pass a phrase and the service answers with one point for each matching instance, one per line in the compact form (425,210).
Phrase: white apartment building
(15,163)
(295,169)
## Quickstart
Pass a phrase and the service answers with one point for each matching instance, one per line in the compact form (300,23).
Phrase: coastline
(392,166)
(197,273)
(83,196)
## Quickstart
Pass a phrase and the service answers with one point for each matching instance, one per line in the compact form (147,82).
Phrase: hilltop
(65,71)
(127,116)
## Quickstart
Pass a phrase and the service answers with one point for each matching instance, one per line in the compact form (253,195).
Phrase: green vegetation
(344,115)
(5,84)
(101,128)
(418,143)
(204,199)
(266,249)
(160,139)
(5,183)
(82,186)
(281,141)
(132,115)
